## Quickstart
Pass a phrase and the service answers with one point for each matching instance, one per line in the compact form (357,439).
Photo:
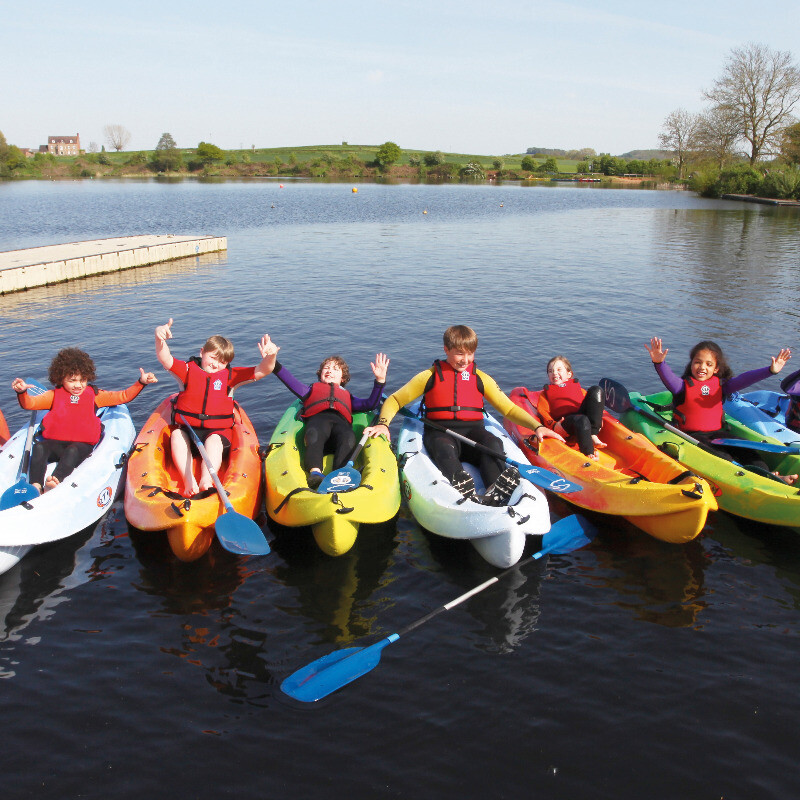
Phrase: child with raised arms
(70,428)
(569,409)
(453,393)
(328,410)
(206,400)
(700,392)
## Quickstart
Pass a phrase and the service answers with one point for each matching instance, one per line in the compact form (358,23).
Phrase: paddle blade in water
(333,671)
(239,534)
(20,492)
(340,480)
(566,535)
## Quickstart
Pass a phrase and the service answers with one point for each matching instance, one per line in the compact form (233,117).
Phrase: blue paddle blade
(566,535)
(545,479)
(20,492)
(333,671)
(340,480)
(240,535)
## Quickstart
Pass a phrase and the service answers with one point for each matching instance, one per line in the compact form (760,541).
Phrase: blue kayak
(764,412)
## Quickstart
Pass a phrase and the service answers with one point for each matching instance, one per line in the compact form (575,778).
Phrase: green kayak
(738,490)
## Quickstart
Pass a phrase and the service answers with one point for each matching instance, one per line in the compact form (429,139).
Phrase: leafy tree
(679,135)
(166,157)
(388,153)
(760,86)
(433,159)
(208,153)
(472,171)
(717,133)
(790,144)
(528,164)
(548,165)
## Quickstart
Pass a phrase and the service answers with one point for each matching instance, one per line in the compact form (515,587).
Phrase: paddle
(536,475)
(236,532)
(345,478)
(767,447)
(335,670)
(23,491)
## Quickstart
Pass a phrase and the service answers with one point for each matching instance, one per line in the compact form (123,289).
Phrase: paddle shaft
(36,388)
(207,461)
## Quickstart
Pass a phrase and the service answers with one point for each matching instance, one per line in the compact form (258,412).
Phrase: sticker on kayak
(559,485)
(105,497)
(406,490)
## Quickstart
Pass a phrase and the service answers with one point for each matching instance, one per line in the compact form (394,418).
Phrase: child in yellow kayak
(453,393)
(71,427)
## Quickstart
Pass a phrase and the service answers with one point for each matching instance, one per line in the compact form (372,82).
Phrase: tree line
(746,140)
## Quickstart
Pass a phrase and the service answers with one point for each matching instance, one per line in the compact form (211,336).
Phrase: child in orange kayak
(206,401)
(567,408)
(700,392)
(328,410)
(71,427)
(453,394)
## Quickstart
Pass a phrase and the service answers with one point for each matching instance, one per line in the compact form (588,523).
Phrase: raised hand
(380,367)
(657,352)
(779,361)
(146,377)
(164,332)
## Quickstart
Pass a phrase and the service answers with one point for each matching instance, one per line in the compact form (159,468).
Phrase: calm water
(628,669)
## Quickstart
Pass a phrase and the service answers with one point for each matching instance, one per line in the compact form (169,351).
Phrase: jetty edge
(57,263)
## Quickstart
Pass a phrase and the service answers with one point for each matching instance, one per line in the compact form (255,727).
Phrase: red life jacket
(453,395)
(72,418)
(325,397)
(564,398)
(204,401)
(698,406)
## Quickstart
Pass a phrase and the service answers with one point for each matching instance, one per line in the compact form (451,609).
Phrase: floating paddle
(536,475)
(23,491)
(335,670)
(767,447)
(236,532)
(345,478)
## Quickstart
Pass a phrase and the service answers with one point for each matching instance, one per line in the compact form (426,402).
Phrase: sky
(452,75)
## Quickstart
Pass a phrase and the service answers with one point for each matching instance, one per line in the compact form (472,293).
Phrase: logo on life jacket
(705,391)
(217,385)
(465,375)
(74,399)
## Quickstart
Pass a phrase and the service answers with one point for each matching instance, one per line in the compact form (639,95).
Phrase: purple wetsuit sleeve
(791,384)
(295,386)
(739,382)
(361,404)
(668,377)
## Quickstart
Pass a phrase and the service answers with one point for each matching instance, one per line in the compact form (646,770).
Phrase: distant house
(62,145)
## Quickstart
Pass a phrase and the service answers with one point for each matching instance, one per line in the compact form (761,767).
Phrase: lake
(630,668)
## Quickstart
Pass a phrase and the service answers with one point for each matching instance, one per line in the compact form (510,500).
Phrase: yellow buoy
(355,191)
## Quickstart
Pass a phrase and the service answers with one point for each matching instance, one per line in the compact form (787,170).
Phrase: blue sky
(470,77)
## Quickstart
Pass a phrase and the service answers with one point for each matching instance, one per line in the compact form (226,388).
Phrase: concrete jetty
(56,263)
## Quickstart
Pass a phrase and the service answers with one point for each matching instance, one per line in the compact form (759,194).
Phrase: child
(791,385)
(71,427)
(328,410)
(453,394)
(569,409)
(700,392)
(206,402)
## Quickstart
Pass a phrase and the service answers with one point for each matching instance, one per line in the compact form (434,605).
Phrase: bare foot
(190,487)
(597,442)
(790,479)
(51,483)
(593,456)
(38,487)
(204,486)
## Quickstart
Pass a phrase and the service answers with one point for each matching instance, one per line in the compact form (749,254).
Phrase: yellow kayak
(334,518)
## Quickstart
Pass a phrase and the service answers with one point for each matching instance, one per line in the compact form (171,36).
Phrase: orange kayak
(153,501)
(631,477)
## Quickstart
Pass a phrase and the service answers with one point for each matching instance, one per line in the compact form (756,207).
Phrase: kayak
(334,517)
(153,499)
(631,477)
(764,412)
(498,533)
(739,491)
(77,502)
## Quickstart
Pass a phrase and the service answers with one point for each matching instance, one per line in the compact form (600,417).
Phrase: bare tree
(678,134)
(117,136)
(760,87)
(718,132)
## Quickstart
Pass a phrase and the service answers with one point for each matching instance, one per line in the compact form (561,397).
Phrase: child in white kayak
(567,408)
(328,410)
(206,402)
(71,428)
(453,393)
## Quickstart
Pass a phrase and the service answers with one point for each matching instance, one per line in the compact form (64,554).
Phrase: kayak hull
(498,533)
(153,499)
(334,518)
(77,502)
(765,413)
(631,477)
(739,491)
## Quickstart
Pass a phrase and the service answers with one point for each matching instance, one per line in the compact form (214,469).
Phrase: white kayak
(77,502)
(498,533)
